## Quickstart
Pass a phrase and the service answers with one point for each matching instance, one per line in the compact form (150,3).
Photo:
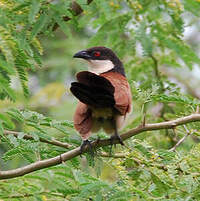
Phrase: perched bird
(103,92)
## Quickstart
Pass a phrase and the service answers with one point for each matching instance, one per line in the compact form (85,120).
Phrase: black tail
(93,90)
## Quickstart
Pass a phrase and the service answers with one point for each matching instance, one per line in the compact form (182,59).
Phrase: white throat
(100,66)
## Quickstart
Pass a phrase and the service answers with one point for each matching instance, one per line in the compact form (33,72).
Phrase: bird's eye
(97,54)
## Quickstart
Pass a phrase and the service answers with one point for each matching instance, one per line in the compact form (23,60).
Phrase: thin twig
(157,73)
(144,114)
(98,143)
(197,109)
(104,154)
(181,140)
(25,195)
(28,137)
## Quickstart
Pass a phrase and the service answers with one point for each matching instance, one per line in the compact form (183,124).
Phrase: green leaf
(161,188)
(6,45)
(6,89)
(145,39)
(15,114)
(35,7)
(1,128)
(6,121)
(39,25)
(175,99)
(21,6)
(63,25)
(6,66)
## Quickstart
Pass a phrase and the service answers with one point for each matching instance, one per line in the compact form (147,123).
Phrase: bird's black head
(97,53)
(101,59)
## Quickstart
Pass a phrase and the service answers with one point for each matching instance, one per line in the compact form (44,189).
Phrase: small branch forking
(182,139)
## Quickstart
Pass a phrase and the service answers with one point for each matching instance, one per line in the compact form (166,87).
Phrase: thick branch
(98,143)
(28,137)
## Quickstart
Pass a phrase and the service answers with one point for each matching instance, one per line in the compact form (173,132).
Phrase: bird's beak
(82,54)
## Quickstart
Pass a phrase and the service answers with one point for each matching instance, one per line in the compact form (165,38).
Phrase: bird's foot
(116,137)
(84,144)
(112,140)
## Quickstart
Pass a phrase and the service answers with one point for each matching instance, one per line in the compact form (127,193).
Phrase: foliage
(144,174)
(37,41)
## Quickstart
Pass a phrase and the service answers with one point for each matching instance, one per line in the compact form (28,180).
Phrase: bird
(104,94)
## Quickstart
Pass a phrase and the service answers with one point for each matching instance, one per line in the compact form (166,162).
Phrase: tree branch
(28,137)
(98,143)
(107,155)
(25,195)
(182,139)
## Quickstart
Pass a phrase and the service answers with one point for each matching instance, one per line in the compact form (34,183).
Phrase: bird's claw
(116,137)
(112,139)
(84,144)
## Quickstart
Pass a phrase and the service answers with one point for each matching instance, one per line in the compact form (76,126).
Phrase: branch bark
(98,143)
(107,155)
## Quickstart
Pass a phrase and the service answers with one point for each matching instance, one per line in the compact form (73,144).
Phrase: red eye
(97,54)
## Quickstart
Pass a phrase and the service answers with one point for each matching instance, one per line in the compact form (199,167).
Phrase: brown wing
(122,94)
(83,120)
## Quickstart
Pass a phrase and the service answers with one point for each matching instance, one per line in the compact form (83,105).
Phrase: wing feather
(122,94)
